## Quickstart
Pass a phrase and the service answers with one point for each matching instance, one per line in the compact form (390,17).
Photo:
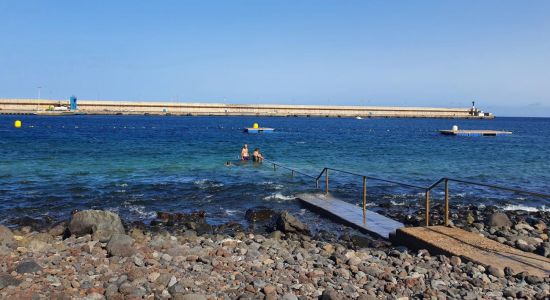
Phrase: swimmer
(257,156)
(244,153)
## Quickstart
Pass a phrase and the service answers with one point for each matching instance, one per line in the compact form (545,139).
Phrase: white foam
(525,208)
(140,210)
(279,196)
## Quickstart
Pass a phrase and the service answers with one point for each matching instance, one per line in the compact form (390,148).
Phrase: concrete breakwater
(43,106)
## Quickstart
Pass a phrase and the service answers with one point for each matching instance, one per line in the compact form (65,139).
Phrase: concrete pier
(35,106)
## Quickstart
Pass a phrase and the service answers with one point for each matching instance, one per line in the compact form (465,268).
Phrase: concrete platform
(472,247)
(351,215)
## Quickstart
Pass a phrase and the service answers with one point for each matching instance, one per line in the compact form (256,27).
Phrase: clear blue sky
(415,53)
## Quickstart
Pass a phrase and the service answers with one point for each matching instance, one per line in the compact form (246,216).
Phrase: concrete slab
(351,215)
(472,247)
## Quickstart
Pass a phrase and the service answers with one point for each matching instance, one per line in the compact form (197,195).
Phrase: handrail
(426,190)
(287,168)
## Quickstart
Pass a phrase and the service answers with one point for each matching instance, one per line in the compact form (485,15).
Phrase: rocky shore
(94,255)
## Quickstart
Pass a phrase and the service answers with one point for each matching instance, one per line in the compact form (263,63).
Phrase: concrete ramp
(350,214)
(472,247)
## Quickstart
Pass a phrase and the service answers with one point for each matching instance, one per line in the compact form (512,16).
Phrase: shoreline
(180,254)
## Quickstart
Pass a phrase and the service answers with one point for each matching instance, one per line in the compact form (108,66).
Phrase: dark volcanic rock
(178,218)
(259,214)
(101,224)
(287,223)
(229,228)
(7,280)
(28,267)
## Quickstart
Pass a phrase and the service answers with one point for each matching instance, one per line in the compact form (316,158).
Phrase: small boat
(358,118)
(456,131)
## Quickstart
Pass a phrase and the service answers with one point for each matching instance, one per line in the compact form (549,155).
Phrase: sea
(139,165)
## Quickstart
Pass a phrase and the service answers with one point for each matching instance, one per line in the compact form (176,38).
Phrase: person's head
(245,146)
(257,150)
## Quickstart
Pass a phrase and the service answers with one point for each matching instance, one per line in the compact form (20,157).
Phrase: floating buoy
(256,126)
(455,128)
(17,124)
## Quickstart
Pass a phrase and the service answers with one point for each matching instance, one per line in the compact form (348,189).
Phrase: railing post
(446,202)
(427,204)
(365,200)
(326,181)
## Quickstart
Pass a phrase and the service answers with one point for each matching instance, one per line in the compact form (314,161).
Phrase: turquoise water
(137,165)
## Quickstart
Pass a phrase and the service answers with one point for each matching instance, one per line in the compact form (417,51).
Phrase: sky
(410,53)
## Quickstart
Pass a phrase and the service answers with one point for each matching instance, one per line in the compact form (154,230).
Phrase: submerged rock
(101,224)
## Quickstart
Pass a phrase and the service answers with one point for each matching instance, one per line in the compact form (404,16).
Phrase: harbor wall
(43,106)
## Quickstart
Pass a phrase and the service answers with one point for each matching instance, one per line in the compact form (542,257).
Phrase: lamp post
(39,89)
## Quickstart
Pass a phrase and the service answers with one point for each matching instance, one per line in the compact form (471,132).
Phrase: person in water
(244,153)
(257,156)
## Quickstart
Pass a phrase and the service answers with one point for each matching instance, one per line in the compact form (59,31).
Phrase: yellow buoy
(256,126)
(17,124)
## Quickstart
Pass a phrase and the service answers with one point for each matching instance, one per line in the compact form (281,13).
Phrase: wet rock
(7,280)
(28,267)
(101,224)
(229,228)
(287,223)
(500,220)
(259,214)
(120,245)
(171,219)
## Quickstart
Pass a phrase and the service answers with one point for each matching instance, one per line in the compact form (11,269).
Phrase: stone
(7,280)
(101,224)
(540,226)
(495,271)
(289,296)
(287,223)
(37,246)
(29,266)
(194,297)
(500,220)
(269,289)
(543,249)
(523,226)
(532,279)
(120,245)
(6,237)
(331,295)
(259,214)
(58,229)
(455,261)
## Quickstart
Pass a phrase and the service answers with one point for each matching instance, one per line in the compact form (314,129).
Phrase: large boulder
(6,237)
(289,224)
(101,224)
(500,220)
(120,245)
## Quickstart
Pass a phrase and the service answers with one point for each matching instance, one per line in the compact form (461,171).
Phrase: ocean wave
(230,212)
(206,183)
(525,208)
(279,196)
(141,212)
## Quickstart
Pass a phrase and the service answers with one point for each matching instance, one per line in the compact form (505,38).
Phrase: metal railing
(427,190)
